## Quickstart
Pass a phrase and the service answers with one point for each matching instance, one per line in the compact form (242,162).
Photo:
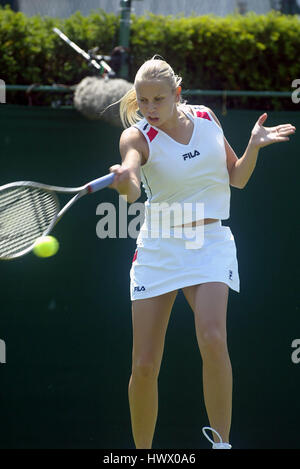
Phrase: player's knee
(144,369)
(212,340)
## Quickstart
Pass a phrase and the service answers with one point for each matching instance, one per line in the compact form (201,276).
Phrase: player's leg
(150,319)
(209,303)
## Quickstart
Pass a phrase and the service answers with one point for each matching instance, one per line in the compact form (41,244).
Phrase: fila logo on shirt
(139,289)
(190,155)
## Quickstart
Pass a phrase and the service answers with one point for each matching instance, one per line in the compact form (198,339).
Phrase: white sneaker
(221,444)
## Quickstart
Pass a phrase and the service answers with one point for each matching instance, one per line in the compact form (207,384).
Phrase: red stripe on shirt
(135,256)
(204,115)
(152,133)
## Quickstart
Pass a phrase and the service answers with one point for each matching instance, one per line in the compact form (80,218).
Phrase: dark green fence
(66,320)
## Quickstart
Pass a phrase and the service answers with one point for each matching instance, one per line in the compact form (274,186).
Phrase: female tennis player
(181,156)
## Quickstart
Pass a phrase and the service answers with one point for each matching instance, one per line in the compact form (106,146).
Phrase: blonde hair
(153,69)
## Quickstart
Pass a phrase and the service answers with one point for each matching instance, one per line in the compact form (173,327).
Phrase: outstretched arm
(241,169)
(260,137)
(127,176)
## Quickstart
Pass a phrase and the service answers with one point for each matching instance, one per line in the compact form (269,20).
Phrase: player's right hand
(122,177)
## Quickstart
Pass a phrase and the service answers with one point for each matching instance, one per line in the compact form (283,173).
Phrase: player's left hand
(262,136)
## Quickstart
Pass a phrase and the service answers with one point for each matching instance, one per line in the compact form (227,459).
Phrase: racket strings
(25,214)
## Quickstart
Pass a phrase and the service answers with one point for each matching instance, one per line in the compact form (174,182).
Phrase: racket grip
(100,183)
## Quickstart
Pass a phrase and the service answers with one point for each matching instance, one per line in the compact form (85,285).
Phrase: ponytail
(129,108)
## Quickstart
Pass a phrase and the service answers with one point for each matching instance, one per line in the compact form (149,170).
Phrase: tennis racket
(29,210)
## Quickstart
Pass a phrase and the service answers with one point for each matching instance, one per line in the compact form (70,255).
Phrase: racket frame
(90,187)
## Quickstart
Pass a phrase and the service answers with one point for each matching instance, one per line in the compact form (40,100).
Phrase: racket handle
(100,183)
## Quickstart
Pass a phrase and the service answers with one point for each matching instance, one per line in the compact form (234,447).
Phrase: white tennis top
(192,173)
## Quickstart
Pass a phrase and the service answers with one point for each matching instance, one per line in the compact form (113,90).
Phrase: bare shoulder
(133,140)
(132,137)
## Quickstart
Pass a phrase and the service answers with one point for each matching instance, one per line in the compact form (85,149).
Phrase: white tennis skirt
(163,264)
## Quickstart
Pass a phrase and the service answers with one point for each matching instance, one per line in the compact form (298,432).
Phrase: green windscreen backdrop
(66,320)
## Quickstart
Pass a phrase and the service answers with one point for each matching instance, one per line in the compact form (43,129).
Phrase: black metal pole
(124,37)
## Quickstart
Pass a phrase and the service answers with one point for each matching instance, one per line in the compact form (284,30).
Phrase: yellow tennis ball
(46,246)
